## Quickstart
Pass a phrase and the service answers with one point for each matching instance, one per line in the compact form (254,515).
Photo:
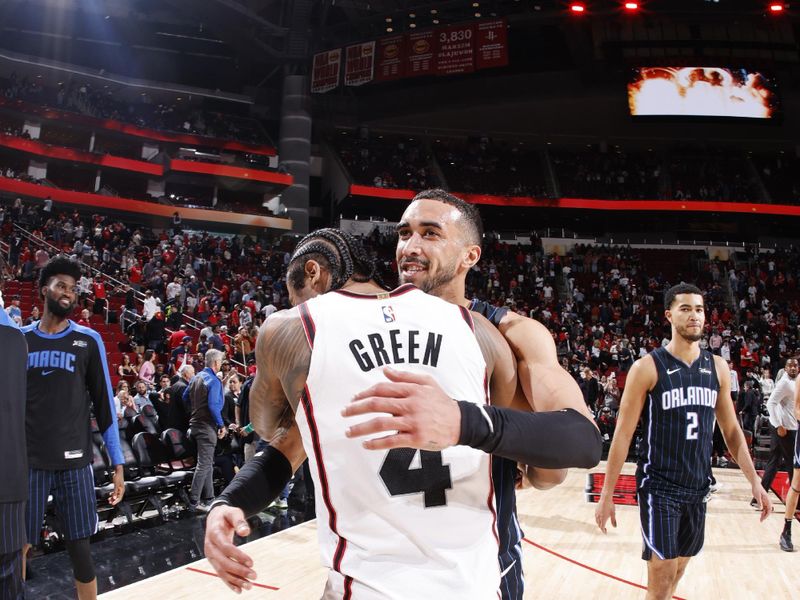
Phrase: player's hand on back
(232,565)
(605,510)
(762,497)
(420,412)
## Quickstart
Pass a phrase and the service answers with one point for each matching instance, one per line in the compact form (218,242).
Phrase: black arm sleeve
(258,482)
(551,440)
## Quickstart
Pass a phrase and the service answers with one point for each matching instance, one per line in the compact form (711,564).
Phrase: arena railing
(118,284)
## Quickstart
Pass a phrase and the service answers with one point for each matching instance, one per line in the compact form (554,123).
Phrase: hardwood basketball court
(565,555)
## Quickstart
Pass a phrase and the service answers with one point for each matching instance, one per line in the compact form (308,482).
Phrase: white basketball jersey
(398,524)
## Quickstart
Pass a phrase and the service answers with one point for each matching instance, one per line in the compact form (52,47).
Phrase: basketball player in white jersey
(439,241)
(400,524)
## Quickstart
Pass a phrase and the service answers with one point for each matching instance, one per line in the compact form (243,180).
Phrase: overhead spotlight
(389,30)
(412,25)
(478,15)
(577,7)
(631,6)
(412,15)
(436,21)
(776,7)
(434,11)
(388,19)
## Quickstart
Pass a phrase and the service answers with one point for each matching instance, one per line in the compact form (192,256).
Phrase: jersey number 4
(432,478)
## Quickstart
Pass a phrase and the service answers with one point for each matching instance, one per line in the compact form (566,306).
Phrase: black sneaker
(754,504)
(786,542)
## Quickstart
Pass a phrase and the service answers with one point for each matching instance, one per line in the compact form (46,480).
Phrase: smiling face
(60,295)
(687,316)
(433,248)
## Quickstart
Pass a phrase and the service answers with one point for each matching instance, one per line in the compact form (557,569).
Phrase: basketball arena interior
(180,149)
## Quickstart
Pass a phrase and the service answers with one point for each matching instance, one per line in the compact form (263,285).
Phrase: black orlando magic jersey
(67,376)
(504,476)
(678,427)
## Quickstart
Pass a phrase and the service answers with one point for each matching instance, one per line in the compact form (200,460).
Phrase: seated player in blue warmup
(68,381)
(677,391)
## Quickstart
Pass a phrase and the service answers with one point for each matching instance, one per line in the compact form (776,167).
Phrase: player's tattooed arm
(282,357)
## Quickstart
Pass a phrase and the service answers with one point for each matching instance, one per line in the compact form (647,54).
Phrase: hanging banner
(359,61)
(492,44)
(391,58)
(456,52)
(422,49)
(325,71)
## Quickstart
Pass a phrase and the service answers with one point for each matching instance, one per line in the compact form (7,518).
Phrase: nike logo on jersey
(706,371)
(671,371)
(79,343)
(46,373)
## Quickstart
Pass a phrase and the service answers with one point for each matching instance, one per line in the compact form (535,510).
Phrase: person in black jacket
(179,410)
(13,473)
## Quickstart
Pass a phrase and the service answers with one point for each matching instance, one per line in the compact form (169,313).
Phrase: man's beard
(430,283)
(690,337)
(56,308)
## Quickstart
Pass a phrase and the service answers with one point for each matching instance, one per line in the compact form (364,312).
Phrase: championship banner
(391,58)
(359,61)
(422,48)
(456,52)
(325,71)
(491,44)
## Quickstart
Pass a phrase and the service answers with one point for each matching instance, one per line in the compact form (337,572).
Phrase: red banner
(325,72)
(422,48)
(391,59)
(492,44)
(456,53)
(359,61)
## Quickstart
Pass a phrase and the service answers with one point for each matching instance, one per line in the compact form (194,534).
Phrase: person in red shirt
(176,338)
(99,290)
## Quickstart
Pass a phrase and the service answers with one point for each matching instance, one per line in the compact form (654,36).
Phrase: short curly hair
(60,264)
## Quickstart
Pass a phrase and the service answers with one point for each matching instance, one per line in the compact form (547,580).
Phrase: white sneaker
(714,488)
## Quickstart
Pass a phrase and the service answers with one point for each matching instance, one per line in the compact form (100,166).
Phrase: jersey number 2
(432,478)
(691,426)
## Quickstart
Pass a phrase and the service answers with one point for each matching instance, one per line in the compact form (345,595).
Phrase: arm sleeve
(98,384)
(773,404)
(550,440)
(216,401)
(257,483)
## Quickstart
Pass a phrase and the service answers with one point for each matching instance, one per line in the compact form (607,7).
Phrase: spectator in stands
(148,369)
(34,316)
(151,305)
(783,425)
(100,296)
(179,412)
(767,383)
(142,397)
(179,356)
(84,321)
(749,406)
(589,387)
(122,398)
(126,369)
(14,311)
(206,397)
(176,338)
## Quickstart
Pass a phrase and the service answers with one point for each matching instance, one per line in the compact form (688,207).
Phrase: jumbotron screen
(702,92)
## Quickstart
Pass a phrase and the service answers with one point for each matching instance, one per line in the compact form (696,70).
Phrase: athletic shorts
(73,498)
(11,585)
(671,528)
(796,449)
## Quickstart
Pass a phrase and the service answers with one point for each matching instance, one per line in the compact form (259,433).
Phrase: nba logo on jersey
(388,314)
